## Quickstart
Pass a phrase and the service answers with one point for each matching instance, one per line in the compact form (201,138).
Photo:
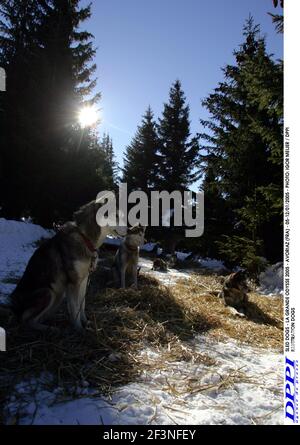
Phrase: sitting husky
(235,289)
(60,267)
(127,257)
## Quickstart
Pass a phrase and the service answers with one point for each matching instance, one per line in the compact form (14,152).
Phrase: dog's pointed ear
(80,215)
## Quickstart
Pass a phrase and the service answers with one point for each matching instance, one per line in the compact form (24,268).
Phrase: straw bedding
(123,322)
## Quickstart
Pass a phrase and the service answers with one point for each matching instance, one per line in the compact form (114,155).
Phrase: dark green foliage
(277,18)
(177,159)
(278,21)
(49,164)
(235,250)
(178,151)
(242,162)
(109,164)
(163,156)
(141,157)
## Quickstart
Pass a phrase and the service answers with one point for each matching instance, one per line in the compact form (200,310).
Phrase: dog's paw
(236,312)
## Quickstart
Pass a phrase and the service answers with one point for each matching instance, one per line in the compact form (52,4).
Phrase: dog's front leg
(123,277)
(45,304)
(82,294)
(74,303)
(135,276)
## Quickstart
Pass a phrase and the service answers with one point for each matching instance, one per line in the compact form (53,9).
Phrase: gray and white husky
(127,257)
(60,267)
(235,290)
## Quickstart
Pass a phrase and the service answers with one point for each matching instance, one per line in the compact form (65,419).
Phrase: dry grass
(193,385)
(262,325)
(123,322)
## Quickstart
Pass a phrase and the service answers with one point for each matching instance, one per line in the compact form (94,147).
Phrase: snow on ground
(17,245)
(243,387)
(209,263)
(181,256)
(148,247)
(271,280)
(112,241)
(168,278)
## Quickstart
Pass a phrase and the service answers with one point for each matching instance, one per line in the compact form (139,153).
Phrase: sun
(88,116)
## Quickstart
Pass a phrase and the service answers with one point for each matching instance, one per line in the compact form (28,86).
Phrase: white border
(292,202)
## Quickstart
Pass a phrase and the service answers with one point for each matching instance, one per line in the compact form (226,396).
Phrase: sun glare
(88,116)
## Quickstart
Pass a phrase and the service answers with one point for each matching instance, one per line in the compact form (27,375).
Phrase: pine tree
(18,43)
(217,214)
(67,61)
(110,166)
(141,158)
(278,18)
(178,151)
(65,67)
(244,149)
(48,59)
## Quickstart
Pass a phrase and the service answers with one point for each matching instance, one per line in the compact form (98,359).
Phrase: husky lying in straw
(235,289)
(61,267)
(127,257)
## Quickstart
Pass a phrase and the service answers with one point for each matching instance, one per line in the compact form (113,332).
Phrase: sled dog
(60,267)
(127,257)
(235,289)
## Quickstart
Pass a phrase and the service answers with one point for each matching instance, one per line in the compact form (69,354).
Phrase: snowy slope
(16,247)
(167,278)
(271,280)
(243,386)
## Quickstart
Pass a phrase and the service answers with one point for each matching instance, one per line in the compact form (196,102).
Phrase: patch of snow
(167,278)
(243,387)
(271,280)
(211,264)
(112,241)
(16,241)
(181,256)
(149,247)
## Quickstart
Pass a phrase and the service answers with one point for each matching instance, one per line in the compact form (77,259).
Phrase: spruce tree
(110,166)
(178,151)
(141,157)
(243,146)
(66,69)
(49,64)
(18,43)
(278,18)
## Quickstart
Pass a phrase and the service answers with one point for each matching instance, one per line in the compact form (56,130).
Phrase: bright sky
(144,45)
